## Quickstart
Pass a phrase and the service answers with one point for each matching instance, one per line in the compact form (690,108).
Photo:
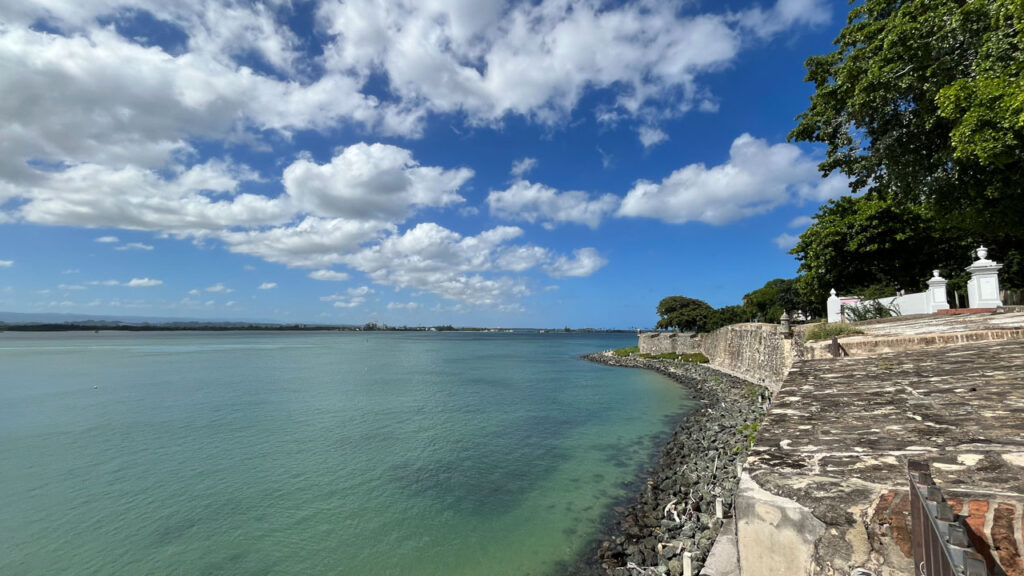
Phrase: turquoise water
(315,453)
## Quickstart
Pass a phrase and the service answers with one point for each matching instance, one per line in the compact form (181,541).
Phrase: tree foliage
(857,243)
(922,102)
(683,314)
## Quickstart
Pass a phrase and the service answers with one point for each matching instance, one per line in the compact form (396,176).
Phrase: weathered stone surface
(755,352)
(840,432)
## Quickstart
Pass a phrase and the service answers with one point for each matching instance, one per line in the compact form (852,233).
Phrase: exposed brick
(1004,539)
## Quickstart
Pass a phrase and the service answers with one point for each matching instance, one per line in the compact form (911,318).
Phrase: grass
(825,331)
(695,358)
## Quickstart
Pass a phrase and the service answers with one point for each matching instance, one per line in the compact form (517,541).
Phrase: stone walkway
(830,463)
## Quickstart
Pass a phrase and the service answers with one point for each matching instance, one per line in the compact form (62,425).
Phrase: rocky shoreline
(675,512)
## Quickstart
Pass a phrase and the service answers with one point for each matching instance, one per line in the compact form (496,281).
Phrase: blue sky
(471,162)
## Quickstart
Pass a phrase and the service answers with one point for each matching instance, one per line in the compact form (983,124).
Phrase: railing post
(938,537)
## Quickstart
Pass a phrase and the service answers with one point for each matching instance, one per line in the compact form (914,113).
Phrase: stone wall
(754,352)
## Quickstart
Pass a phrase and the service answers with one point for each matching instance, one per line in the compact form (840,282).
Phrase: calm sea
(336,453)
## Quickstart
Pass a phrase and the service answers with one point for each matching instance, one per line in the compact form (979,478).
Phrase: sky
(545,163)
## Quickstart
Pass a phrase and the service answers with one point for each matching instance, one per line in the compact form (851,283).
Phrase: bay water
(334,453)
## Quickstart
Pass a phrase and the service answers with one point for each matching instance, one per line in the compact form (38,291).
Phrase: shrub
(825,331)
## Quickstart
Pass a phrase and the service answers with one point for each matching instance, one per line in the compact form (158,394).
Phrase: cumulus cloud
(351,298)
(584,262)
(6,263)
(143,283)
(107,239)
(786,241)
(491,58)
(402,306)
(539,203)
(523,166)
(268,286)
(757,178)
(328,275)
(801,222)
(312,243)
(372,182)
(219,288)
(650,136)
(71,287)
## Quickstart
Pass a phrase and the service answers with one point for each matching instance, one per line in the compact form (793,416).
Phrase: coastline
(675,510)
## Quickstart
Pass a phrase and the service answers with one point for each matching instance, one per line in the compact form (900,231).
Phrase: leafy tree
(684,314)
(867,244)
(768,302)
(725,316)
(922,103)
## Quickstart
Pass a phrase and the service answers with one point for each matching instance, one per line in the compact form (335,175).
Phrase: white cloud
(135,246)
(801,222)
(434,259)
(143,283)
(402,306)
(107,239)
(312,243)
(194,292)
(71,287)
(584,262)
(522,258)
(757,178)
(71,271)
(6,263)
(786,241)
(352,297)
(219,288)
(104,283)
(489,59)
(372,182)
(268,286)
(328,275)
(522,167)
(650,136)
(539,203)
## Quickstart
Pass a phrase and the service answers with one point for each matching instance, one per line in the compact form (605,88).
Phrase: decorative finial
(832,292)
(935,273)
(982,253)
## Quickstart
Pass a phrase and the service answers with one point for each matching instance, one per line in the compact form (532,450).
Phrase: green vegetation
(750,431)
(695,358)
(623,352)
(825,331)
(922,105)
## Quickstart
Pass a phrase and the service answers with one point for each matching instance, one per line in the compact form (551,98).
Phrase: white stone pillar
(983,287)
(834,307)
(937,293)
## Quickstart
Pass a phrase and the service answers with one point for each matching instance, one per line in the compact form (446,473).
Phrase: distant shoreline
(675,511)
(241,327)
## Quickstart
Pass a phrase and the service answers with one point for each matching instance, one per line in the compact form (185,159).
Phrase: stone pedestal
(983,287)
(937,293)
(834,307)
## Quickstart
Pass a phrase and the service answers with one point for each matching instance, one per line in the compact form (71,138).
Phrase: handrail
(939,537)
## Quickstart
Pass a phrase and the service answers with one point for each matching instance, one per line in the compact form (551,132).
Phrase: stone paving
(840,432)
(905,333)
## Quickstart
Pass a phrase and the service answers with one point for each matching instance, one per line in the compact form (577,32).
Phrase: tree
(922,103)
(768,302)
(725,316)
(866,245)
(683,314)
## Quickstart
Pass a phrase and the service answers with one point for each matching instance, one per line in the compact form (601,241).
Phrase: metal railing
(836,349)
(938,537)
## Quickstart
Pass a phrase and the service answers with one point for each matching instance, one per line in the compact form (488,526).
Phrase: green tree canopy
(767,303)
(684,314)
(922,102)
